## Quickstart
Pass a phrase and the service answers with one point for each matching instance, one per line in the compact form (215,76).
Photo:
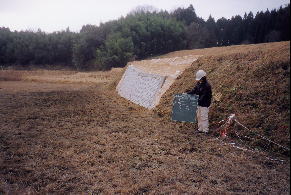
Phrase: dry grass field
(251,81)
(70,132)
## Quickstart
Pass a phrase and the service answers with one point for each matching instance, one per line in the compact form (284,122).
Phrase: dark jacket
(203,90)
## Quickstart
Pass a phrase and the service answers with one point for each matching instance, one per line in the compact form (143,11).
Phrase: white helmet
(200,74)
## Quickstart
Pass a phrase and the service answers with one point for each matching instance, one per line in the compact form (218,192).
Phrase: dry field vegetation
(252,81)
(69,132)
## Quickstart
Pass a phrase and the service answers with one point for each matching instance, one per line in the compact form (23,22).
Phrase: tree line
(143,33)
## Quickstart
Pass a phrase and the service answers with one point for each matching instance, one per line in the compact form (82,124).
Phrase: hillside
(251,81)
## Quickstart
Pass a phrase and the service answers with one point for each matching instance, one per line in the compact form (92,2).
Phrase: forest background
(144,33)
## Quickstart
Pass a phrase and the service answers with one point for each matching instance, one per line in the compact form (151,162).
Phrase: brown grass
(60,76)
(252,82)
(10,75)
(73,139)
(92,141)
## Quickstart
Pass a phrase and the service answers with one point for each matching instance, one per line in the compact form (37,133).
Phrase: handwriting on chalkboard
(184,107)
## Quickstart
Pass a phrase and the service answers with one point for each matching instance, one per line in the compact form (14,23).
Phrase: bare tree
(144,9)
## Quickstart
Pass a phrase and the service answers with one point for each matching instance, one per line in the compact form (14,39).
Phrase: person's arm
(193,91)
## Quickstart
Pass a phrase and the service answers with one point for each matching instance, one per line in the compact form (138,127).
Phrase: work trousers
(202,117)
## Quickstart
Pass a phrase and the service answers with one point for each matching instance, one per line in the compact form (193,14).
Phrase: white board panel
(139,87)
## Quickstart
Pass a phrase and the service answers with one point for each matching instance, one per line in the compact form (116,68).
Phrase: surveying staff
(203,90)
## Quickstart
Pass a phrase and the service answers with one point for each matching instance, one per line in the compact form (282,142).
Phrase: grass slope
(251,81)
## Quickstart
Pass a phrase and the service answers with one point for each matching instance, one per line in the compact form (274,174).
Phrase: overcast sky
(56,15)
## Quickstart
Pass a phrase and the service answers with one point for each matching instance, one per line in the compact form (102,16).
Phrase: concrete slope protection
(144,82)
(139,87)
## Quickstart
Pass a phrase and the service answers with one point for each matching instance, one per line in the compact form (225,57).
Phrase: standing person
(203,90)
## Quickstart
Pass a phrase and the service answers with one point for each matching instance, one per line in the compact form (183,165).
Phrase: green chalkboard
(184,107)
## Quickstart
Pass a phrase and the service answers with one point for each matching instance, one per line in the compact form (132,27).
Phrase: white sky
(56,15)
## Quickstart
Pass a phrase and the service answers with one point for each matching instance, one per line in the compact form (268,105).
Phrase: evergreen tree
(187,16)
(143,33)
